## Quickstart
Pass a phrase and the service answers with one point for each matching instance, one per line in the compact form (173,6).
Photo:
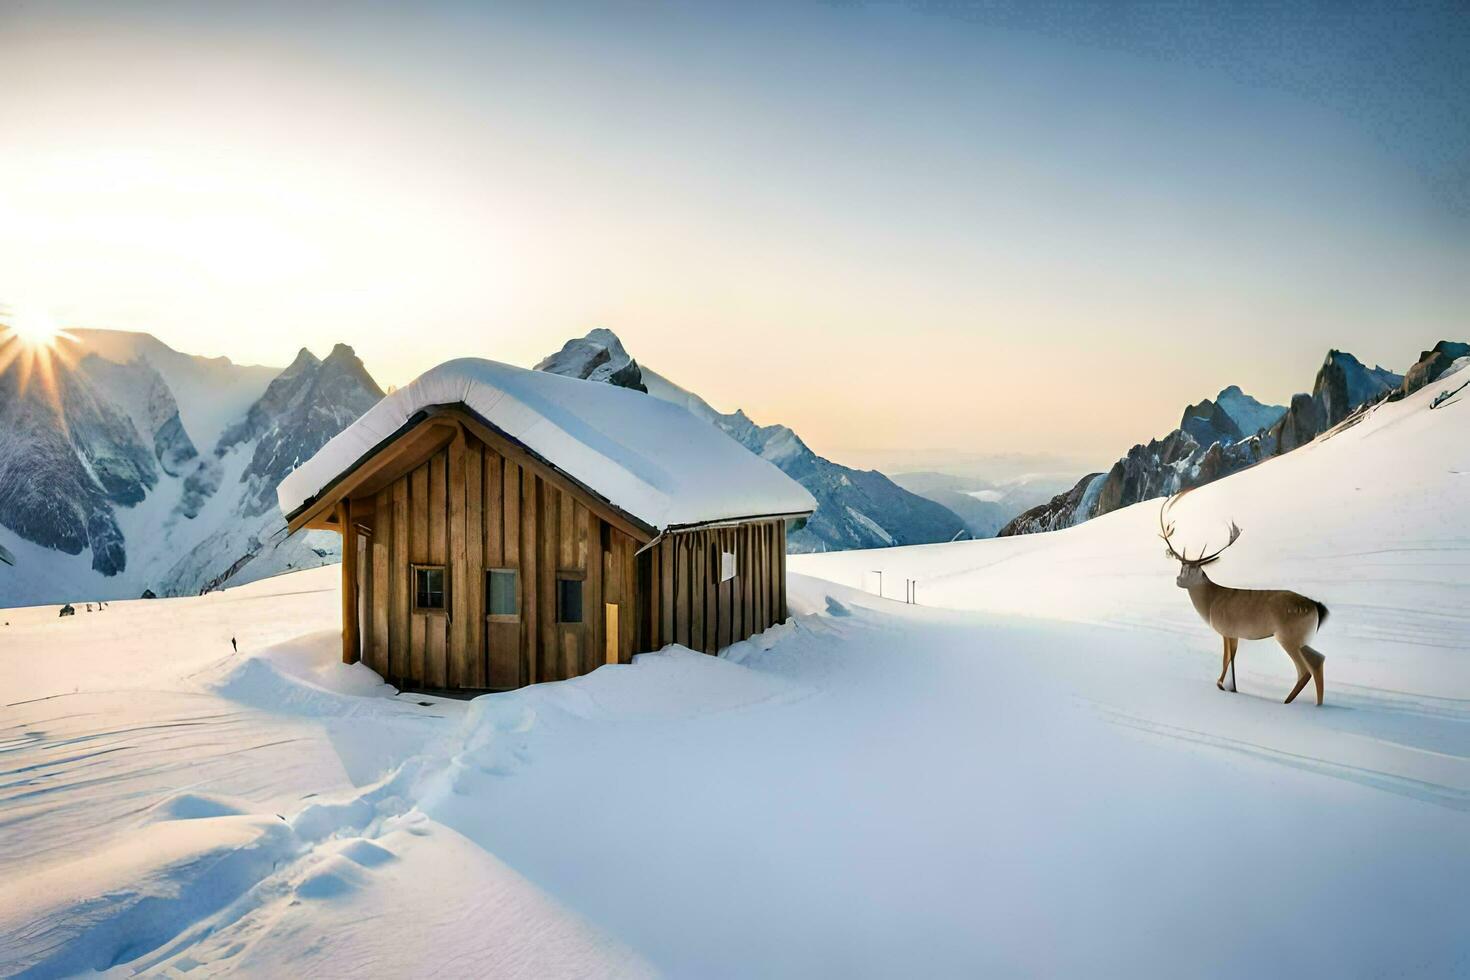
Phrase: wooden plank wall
(471,509)
(687,602)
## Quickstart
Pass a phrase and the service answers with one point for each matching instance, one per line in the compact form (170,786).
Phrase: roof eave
(733,521)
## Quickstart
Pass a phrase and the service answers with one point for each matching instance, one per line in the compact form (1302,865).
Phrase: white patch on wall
(727,566)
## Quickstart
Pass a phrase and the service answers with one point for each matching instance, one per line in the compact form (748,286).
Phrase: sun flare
(31,326)
(29,347)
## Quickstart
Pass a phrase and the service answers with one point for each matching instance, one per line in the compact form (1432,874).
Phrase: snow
(871,525)
(211,392)
(1249,415)
(1031,773)
(665,390)
(1088,504)
(171,804)
(1369,520)
(168,552)
(648,457)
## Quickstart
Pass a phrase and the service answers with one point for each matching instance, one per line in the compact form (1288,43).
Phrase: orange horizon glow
(907,230)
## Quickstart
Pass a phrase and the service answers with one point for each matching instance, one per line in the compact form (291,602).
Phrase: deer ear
(1207,561)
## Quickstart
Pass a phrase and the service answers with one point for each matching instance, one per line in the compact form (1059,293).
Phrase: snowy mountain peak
(210,392)
(1249,415)
(599,356)
(1209,423)
(855,509)
(1215,439)
(1346,382)
(1432,364)
(152,469)
(304,361)
(311,401)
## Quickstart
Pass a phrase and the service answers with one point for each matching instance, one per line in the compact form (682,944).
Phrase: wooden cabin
(474,559)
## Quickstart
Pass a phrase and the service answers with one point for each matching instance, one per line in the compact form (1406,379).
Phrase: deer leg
(1302,673)
(1315,663)
(1224,662)
(1234,642)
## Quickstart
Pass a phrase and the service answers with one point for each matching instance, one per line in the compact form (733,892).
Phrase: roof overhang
(425,433)
(736,521)
(430,430)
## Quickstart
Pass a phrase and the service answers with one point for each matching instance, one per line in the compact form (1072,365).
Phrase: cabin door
(503,654)
(610,632)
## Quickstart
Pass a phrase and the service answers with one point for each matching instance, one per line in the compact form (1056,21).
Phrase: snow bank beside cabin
(650,458)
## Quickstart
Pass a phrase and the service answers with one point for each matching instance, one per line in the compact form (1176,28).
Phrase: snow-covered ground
(1040,778)
(168,804)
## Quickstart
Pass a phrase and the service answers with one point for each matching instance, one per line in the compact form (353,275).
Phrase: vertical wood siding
(688,604)
(470,509)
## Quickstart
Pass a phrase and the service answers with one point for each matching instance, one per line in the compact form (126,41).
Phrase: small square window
(500,592)
(568,600)
(428,587)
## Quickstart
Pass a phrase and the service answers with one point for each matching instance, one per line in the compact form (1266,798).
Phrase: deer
(1249,614)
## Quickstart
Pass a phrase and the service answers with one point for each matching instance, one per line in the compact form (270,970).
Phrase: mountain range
(137,469)
(1233,431)
(984,505)
(130,467)
(855,508)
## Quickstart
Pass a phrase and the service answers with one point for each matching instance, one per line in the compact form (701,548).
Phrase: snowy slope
(1229,433)
(1371,520)
(211,392)
(1040,779)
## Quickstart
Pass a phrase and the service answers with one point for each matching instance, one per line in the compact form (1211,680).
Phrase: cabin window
(500,593)
(728,566)
(568,599)
(428,588)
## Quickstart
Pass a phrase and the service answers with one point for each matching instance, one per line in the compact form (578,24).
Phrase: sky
(893,226)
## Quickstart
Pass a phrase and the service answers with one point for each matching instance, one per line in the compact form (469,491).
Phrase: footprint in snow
(367,854)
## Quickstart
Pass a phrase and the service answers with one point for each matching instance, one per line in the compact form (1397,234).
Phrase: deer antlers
(1166,531)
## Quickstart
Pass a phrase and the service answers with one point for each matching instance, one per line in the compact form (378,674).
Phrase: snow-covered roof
(653,460)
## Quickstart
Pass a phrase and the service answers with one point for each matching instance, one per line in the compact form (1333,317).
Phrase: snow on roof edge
(655,461)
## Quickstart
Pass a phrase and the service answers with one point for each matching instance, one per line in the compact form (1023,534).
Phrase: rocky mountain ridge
(1231,432)
(105,492)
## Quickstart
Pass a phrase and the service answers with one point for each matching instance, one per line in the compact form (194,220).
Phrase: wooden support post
(351,650)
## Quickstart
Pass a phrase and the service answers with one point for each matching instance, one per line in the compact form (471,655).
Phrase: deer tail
(1321,613)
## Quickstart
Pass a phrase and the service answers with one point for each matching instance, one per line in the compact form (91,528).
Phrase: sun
(30,348)
(32,326)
